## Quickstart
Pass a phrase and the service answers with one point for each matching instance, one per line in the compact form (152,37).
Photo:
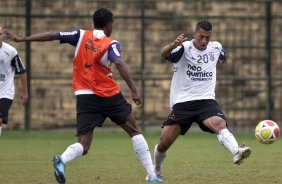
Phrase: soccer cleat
(243,153)
(59,168)
(154,179)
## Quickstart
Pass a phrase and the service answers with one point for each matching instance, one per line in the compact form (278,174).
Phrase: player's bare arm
(124,73)
(24,94)
(1,34)
(46,36)
(177,42)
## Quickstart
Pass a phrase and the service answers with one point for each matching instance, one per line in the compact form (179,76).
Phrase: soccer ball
(267,132)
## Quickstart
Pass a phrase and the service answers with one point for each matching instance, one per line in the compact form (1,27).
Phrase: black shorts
(187,113)
(5,105)
(92,111)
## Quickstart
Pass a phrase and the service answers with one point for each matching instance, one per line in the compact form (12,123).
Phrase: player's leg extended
(140,147)
(226,138)
(168,135)
(73,151)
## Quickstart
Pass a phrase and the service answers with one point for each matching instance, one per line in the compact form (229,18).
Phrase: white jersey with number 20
(195,73)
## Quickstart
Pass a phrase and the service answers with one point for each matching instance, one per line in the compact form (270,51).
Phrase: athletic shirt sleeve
(71,37)
(222,54)
(114,51)
(18,65)
(175,54)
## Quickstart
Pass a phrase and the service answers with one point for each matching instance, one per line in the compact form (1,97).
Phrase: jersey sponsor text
(195,73)
(68,33)
(91,46)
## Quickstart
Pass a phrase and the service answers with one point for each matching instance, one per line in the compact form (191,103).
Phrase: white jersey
(194,73)
(10,63)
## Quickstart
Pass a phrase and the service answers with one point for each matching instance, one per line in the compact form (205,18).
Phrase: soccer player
(97,93)
(192,93)
(10,64)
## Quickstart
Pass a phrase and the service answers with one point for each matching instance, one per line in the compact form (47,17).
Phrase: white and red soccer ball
(267,132)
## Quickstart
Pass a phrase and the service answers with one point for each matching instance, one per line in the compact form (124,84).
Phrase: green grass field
(25,158)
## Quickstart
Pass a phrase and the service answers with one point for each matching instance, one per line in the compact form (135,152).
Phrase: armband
(222,55)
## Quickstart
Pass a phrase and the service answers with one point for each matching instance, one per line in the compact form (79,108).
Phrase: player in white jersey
(10,64)
(192,94)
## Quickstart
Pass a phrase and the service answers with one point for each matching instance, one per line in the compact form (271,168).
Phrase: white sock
(158,161)
(73,151)
(228,140)
(158,158)
(142,150)
(0,130)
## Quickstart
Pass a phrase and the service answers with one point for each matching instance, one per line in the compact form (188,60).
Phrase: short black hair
(205,25)
(101,17)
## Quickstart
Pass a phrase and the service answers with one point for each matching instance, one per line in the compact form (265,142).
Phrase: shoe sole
(60,177)
(155,181)
(147,179)
(245,154)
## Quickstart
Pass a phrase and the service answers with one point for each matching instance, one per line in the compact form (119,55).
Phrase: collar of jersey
(99,34)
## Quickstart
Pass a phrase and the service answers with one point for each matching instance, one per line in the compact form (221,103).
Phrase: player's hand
(136,97)
(12,37)
(179,40)
(24,97)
